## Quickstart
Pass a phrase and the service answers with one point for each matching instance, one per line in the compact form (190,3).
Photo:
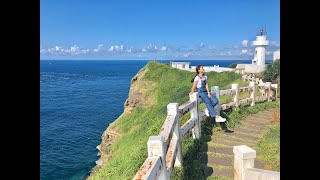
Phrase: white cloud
(99,48)
(74,48)
(120,49)
(245,43)
(116,48)
(269,53)
(212,47)
(244,51)
(186,54)
(111,49)
(84,51)
(57,48)
(275,44)
(150,48)
(164,48)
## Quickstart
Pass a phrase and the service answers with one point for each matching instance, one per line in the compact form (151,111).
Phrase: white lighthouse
(260,51)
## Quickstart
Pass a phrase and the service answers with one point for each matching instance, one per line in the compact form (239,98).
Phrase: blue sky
(163,29)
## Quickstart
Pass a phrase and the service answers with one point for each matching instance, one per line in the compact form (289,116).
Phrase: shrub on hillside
(233,65)
(272,72)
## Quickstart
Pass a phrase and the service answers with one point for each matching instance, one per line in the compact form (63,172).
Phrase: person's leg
(214,100)
(216,105)
(217,108)
(208,103)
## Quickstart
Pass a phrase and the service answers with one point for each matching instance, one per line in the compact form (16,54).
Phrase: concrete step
(246,125)
(218,153)
(217,160)
(237,136)
(210,171)
(277,110)
(251,132)
(220,150)
(231,143)
(256,124)
(260,130)
(258,121)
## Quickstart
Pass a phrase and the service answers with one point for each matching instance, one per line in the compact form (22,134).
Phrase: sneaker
(206,112)
(228,131)
(220,119)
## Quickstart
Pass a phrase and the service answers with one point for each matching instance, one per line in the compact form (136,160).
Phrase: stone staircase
(218,153)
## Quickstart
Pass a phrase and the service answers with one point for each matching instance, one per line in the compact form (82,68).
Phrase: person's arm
(193,86)
(207,87)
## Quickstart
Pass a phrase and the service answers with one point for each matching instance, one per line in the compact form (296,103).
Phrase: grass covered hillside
(152,89)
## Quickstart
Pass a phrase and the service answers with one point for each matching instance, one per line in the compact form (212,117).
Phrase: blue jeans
(210,102)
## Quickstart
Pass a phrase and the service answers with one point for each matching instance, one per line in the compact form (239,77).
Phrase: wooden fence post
(172,109)
(252,93)
(257,80)
(157,147)
(196,131)
(268,91)
(215,91)
(244,77)
(276,94)
(236,95)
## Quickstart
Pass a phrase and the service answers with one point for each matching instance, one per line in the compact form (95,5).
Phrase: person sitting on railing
(201,85)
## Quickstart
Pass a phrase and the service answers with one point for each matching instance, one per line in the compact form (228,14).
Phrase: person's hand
(209,95)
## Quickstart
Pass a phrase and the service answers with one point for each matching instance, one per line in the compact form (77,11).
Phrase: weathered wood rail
(164,150)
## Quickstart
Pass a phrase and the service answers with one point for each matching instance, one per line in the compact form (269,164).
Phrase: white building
(258,61)
(186,66)
(276,55)
(215,68)
(180,65)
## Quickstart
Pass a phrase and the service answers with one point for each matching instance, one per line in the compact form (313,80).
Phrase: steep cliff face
(138,97)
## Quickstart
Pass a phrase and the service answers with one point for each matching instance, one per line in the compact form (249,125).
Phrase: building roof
(180,62)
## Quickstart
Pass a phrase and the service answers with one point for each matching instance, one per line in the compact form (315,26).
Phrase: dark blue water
(78,100)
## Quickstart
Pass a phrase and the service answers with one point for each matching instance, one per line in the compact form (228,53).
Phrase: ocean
(78,100)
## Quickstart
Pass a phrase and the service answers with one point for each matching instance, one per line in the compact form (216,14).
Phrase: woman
(200,83)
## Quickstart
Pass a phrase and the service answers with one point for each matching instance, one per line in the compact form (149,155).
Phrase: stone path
(218,153)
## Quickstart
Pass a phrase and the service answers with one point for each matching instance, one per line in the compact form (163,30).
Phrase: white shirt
(197,78)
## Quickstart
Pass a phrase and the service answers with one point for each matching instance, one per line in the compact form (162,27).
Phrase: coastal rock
(138,96)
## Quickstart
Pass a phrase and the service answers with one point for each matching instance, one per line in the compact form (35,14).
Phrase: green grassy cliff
(124,143)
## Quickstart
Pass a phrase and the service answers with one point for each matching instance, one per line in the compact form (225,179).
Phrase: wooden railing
(164,150)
